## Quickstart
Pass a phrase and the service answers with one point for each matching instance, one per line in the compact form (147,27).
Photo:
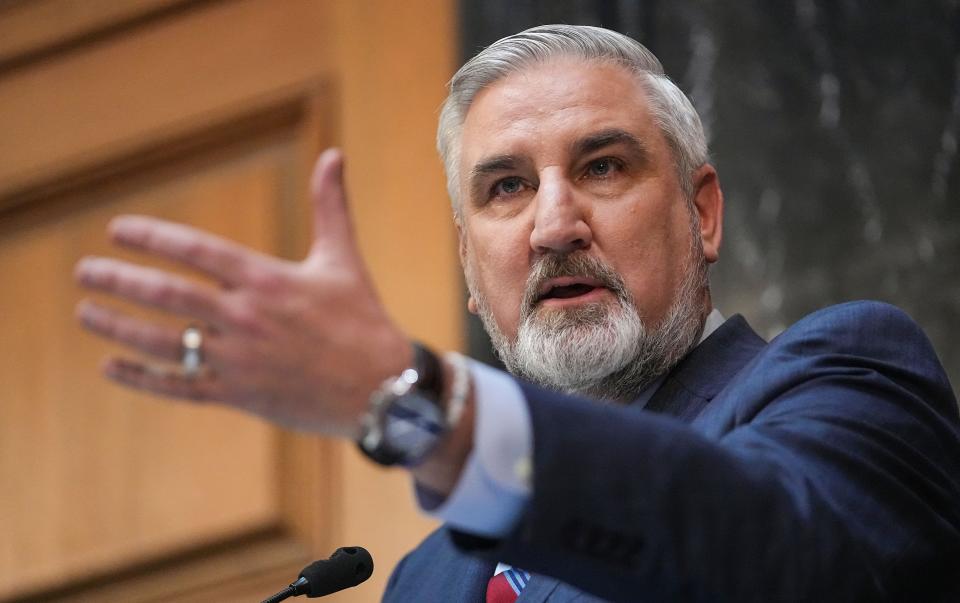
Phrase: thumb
(332,227)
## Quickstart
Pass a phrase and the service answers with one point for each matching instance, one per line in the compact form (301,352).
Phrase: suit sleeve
(827,470)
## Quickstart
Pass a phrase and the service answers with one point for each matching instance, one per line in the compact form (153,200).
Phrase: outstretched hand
(300,343)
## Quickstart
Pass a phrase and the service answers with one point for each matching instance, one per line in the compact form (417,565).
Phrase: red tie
(505,587)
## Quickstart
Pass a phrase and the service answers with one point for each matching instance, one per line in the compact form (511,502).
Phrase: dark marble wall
(834,125)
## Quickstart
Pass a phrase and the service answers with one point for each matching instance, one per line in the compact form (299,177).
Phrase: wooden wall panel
(112,477)
(161,81)
(208,112)
(29,28)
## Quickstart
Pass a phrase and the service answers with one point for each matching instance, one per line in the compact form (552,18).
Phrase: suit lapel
(467,576)
(543,588)
(437,566)
(538,589)
(706,370)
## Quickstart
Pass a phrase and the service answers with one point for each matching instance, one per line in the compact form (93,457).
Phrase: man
(714,466)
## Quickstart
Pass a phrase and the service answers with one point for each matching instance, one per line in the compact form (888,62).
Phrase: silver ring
(191,359)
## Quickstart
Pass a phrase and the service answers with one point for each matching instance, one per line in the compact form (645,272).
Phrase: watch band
(459,388)
(430,371)
(407,415)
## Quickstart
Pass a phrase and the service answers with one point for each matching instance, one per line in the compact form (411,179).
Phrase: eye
(602,167)
(507,186)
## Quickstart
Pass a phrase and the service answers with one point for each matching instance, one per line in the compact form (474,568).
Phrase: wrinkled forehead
(546,104)
(558,81)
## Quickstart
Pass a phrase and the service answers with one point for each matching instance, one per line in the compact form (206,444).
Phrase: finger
(163,382)
(332,227)
(162,342)
(151,287)
(215,256)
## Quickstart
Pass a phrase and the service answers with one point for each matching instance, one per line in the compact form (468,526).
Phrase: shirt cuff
(495,484)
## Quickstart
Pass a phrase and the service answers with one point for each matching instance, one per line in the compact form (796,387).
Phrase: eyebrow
(497,163)
(610,137)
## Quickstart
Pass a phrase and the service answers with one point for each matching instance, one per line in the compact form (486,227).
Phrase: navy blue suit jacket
(823,466)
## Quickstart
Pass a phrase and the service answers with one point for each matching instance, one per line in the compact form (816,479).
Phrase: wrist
(413,413)
(440,470)
(396,354)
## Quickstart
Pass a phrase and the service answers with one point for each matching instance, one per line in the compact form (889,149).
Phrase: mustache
(572,265)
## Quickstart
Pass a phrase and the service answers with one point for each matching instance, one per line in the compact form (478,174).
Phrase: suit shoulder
(871,310)
(860,314)
(865,337)
(863,327)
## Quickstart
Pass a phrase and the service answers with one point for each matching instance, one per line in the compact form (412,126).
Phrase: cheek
(496,266)
(649,250)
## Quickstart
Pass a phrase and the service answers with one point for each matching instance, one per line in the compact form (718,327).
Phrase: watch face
(412,425)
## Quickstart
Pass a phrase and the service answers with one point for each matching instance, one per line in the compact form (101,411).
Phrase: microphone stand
(289,591)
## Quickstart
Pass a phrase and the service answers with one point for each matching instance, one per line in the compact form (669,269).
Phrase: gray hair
(672,111)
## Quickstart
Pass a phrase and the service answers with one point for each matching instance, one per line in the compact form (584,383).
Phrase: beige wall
(208,112)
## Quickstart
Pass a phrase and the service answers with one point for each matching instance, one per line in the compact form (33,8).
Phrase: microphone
(348,566)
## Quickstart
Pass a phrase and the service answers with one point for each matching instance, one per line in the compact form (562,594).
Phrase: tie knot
(505,587)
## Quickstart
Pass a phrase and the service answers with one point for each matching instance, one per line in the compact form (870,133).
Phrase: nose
(561,221)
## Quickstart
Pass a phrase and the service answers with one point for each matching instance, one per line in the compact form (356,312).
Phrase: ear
(461,242)
(462,250)
(708,202)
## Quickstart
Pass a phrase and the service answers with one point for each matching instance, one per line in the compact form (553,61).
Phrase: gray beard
(602,350)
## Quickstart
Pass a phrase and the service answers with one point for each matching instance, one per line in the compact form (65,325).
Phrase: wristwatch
(408,414)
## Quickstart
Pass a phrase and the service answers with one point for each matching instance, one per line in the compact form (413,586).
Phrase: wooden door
(210,113)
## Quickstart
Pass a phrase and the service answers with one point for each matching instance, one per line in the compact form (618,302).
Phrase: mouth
(569,290)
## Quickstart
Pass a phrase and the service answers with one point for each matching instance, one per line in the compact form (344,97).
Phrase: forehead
(534,110)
